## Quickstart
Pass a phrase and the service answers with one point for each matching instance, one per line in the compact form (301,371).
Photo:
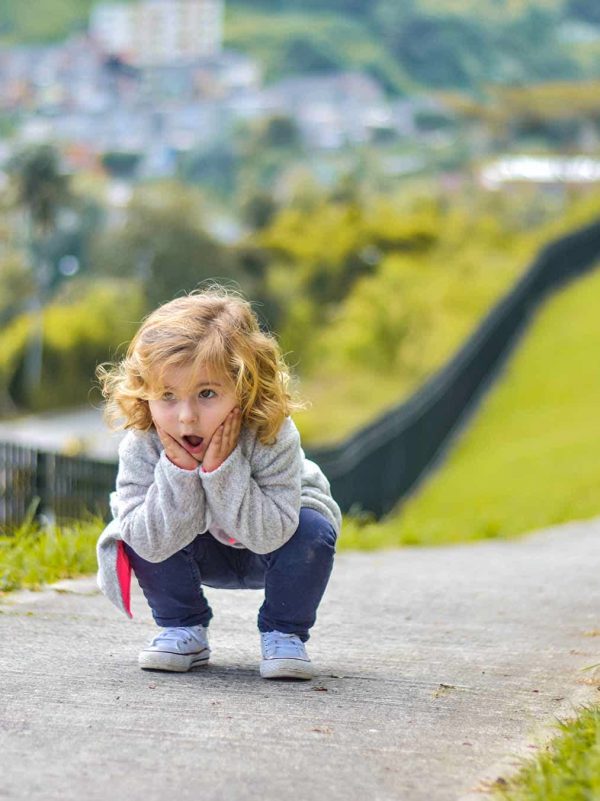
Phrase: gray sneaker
(284,657)
(177,649)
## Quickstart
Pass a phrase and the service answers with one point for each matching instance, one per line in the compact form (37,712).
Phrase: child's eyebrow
(201,384)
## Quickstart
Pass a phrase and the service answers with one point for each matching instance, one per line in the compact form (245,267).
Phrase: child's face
(193,407)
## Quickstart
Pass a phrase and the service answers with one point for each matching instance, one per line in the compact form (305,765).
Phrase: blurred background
(375,175)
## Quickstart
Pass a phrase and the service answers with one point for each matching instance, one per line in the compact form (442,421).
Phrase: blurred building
(334,109)
(156,32)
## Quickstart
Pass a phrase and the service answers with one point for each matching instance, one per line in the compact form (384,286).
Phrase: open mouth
(193,442)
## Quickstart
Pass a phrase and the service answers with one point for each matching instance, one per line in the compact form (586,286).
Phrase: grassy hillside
(371,354)
(530,458)
(299,41)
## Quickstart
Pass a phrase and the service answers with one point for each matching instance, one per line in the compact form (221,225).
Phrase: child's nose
(187,412)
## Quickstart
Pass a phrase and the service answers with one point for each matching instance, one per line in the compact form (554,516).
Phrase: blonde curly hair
(213,328)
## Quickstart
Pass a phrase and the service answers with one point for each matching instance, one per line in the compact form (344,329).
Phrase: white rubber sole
(286,669)
(175,663)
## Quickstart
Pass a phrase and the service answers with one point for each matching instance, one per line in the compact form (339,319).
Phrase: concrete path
(436,667)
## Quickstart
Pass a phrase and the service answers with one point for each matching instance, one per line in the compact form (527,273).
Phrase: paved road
(435,666)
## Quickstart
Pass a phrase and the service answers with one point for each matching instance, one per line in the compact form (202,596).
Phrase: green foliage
(554,100)
(41,186)
(32,556)
(278,131)
(316,253)
(557,115)
(434,50)
(164,245)
(13,343)
(258,209)
(121,164)
(78,332)
(43,20)
(456,43)
(567,770)
(441,269)
(53,222)
(16,286)
(215,168)
(293,41)
(264,150)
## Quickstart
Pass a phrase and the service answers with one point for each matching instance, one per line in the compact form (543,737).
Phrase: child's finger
(232,419)
(175,452)
(230,434)
(217,440)
(232,430)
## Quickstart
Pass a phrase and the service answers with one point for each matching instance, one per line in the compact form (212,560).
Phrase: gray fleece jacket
(251,501)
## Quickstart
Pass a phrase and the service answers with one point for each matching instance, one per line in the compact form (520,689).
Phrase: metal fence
(371,470)
(381,463)
(51,486)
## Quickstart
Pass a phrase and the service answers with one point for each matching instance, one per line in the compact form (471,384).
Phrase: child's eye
(167,396)
(207,393)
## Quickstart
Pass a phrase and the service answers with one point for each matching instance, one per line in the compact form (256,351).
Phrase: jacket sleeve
(258,501)
(161,508)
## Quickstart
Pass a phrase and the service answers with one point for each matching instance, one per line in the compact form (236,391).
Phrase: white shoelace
(179,635)
(277,643)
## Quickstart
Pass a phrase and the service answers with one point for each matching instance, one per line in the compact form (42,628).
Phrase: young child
(213,487)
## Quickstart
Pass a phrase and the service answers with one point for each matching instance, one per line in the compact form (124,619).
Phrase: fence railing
(374,468)
(51,486)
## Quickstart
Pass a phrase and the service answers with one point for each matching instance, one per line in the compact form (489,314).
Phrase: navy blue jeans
(294,578)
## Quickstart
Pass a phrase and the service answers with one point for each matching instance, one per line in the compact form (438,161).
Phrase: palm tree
(42,189)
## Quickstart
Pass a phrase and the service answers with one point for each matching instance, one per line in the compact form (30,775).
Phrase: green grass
(32,557)
(568,770)
(531,456)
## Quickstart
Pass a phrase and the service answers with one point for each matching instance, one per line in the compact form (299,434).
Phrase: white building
(112,26)
(332,110)
(155,32)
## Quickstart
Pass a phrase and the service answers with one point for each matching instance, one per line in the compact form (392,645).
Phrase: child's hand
(175,452)
(223,441)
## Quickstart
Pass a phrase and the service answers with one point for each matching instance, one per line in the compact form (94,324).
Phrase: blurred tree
(532,49)
(316,253)
(164,245)
(278,131)
(258,209)
(120,164)
(300,54)
(267,148)
(215,167)
(84,326)
(17,285)
(442,52)
(42,190)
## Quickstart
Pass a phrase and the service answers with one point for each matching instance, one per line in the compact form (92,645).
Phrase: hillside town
(153,78)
